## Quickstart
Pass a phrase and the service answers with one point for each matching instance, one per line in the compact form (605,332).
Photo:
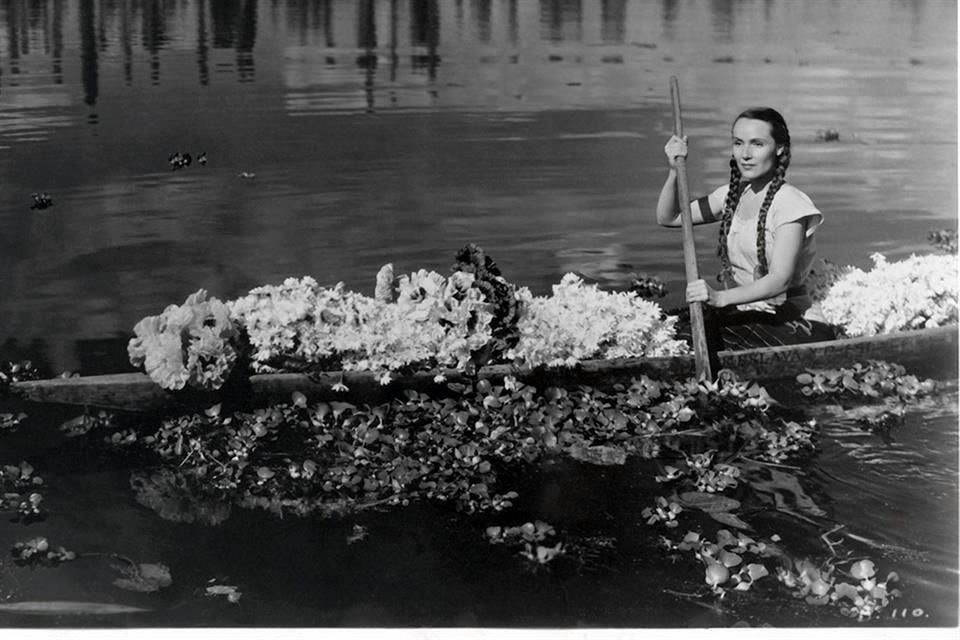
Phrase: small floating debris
(38,551)
(359,533)
(180,160)
(827,135)
(247,175)
(230,592)
(41,201)
(648,287)
(10,421)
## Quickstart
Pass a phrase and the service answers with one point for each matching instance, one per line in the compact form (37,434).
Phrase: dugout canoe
(929,352)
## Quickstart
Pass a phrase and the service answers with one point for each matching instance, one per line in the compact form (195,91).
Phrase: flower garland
(916,293)
(192,343)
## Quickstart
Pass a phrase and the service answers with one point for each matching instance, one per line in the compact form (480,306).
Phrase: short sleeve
(710,206)
(790,205)
(717,197)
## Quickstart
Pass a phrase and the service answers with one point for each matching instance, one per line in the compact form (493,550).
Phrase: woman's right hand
(676,146)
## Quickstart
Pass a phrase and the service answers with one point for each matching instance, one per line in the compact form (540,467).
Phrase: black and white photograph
(549,318)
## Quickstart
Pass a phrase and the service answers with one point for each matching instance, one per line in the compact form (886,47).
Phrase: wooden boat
(924,352)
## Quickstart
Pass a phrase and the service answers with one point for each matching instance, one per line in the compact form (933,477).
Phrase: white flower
(920,291)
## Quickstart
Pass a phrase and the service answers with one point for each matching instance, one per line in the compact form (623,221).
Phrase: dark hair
(781,136)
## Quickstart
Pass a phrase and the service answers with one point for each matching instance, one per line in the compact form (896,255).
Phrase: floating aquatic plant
(38,552)
(18,484)
(10,421)
(41,201)
(230,592)
(532,539)
(11,372)
(873,379)
(142,577)
(86,422)
(736,561)
(944,240)
(648,287)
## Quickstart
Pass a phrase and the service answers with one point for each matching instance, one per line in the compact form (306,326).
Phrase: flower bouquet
(194,343)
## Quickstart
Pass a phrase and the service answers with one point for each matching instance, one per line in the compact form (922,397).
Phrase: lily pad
(145,578)
(729,519)
(708,502)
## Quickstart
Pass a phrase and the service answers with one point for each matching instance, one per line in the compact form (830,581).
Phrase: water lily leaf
(145,578)
(729,559)
(757,571)
(844,590)
(157,573)
(716,573)
(729,519)
(863,570)
(709,502)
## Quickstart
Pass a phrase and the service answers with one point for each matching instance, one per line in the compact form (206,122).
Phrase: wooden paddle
(700,352)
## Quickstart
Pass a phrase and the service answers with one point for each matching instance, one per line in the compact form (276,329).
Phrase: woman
(766,240)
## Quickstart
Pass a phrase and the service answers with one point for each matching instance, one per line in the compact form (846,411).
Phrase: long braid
(725,277)
(779,177)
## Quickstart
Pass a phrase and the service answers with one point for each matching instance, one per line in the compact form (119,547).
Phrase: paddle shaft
(700,352)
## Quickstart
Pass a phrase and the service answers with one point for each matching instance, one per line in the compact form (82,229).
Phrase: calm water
(396,131)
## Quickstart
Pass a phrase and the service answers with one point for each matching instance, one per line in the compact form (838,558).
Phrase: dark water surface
(396,131)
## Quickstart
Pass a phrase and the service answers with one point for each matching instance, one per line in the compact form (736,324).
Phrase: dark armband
(704,205)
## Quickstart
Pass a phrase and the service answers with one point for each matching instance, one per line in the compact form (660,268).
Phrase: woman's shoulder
(790,196)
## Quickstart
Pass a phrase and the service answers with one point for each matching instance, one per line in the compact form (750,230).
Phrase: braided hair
(781,137)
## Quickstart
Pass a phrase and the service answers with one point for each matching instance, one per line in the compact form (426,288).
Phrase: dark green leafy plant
(10,421)
(874,379)
(18,494)
(38,552)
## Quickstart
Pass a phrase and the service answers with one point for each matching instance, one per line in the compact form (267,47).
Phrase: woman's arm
(783,263)
(668,210)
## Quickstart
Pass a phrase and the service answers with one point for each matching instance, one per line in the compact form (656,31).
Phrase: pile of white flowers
(423,320)
(580,322)
(916,293)
(435,321)
(192,343)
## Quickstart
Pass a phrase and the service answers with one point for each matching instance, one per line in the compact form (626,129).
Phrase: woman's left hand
(700,291)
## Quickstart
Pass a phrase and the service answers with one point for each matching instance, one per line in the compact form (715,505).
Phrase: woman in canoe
(766,242)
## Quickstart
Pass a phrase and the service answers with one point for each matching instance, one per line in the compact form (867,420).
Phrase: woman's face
(754,148)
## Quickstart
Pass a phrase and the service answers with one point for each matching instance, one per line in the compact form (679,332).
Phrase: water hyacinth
(580,322)
(193,343)
(916,293)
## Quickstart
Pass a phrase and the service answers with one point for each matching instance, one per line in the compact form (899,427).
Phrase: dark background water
(397,131)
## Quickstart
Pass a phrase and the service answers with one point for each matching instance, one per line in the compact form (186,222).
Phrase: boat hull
(925,352)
